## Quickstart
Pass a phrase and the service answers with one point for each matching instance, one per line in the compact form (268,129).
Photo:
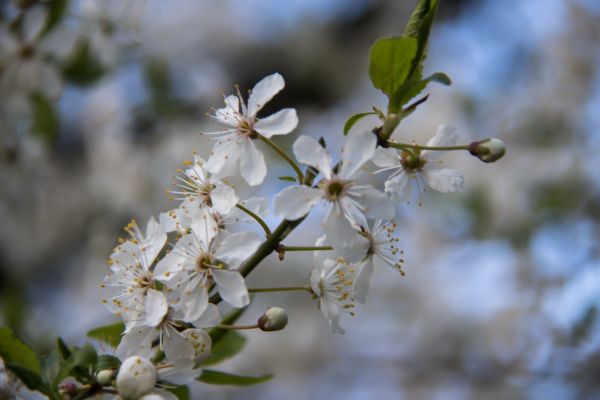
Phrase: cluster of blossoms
(167,295)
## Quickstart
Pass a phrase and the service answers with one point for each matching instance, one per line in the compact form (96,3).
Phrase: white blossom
(350,203)
(209,261)
(234,148)
(28,60)
(137,377)
(331,280)
(420,166)
(131,265)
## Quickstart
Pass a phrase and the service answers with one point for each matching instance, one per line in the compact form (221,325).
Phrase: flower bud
(152,396)
(136,377)
(488,150)
(105,377)
(274,319)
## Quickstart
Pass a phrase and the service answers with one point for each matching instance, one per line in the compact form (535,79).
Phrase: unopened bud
(136,377)
(68,389)
(105,377)
(488,150)
(274,319)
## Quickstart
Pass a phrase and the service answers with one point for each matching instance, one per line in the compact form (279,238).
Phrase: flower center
(245,128)
(412,162)
(336,188)
(26,51)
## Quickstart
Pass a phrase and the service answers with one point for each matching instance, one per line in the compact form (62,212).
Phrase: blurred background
(102,100)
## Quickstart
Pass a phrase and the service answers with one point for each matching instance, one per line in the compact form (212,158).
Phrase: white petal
(168,267)
(174,221)
(343,237)
(295,202)
(231,287)
(49,80)
(137,342)
(33,23)
(155,240)
(176,346)
(224,157)
(237,247)
(223,198)
(377,205)
(59,42)
(444,180)
(209,318)
(308,151)
(280,123)
(204,225)
(229,114)
(445,136)
(156,307)
(194,300)
(358,149)
(331,311)
(264,91)
(252,163)
(398,187)
(362,281)
(159,394)
(386,158)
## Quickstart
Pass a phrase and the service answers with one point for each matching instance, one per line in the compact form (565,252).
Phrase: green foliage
(16,353)
(287,178)
(390,61)
(109,334)
(223,378)
(45,122)
(83,68)
(182,392)
(106,361)
(412,88)
(56,12)
(354,119)
(418,27)
(226,347)
(63,349)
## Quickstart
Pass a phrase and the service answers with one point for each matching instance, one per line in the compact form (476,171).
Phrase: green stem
(419,147)
(279,289)
(284,155)
(305,248)
(256,218)
(237,327)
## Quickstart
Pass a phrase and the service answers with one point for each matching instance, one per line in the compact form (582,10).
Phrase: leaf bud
(136,377)
(488,150)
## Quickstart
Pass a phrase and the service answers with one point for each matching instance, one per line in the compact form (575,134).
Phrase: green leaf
(223,378)
(106,361)
(109,334)
(83,68)
(226,347)
(354,119)
(15,352)
(84,357)
(287,178)
(51,369)
(390,61)
(45,118)
(418,27)
(56,11)
(63,349)
(182,392)
(412,88)
(31,379)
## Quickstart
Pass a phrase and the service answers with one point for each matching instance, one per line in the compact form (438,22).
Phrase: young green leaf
(63,349)
(223,378)
(109,334)
(106,361)
(390,61)
(83,68)
(418,27)
(182,392)
(15,352)
(31,379)
(287,178)
(45,119)
(412,88)
(228,346)
(85,356)
(354,119)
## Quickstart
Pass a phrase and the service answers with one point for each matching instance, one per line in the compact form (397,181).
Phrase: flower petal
(377,205)
(358,149)
(33,23)
(294,202)
(175,346)
(137,342)
(252,163)
(223,198)
(156,307)
(237,247)
(444,180)
(398,187)
(229,114)
(210,318)
(231,287)
(224,157)
(280,123)
(155,240)
(445,136)
(386,158)
(201,342)
(194,300)
(308,151)
(343,237)
(264,91)
(362,281)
